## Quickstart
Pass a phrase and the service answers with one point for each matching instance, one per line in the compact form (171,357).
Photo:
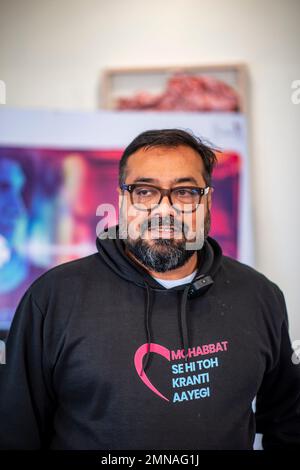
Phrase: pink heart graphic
(138,363)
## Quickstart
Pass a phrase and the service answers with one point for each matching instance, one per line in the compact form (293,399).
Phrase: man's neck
(183,271)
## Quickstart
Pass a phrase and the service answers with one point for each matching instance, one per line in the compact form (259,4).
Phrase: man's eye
(184,192)
(144,192)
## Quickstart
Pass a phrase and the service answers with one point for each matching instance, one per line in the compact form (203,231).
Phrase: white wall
(52,54)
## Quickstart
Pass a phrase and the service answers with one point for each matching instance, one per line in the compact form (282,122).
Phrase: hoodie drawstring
(183,320)
(183,324)
(147,325)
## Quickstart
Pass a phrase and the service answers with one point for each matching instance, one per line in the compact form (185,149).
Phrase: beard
(164,254)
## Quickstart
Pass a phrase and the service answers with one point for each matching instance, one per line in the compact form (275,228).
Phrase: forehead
(165,163)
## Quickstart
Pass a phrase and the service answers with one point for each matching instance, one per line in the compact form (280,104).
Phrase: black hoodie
(102,356)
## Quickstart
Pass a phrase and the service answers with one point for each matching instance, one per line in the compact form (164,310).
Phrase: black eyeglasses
(146,197)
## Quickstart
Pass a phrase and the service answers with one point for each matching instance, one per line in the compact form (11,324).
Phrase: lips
(164,229)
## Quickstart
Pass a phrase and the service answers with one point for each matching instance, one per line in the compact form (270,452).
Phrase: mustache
(162,222)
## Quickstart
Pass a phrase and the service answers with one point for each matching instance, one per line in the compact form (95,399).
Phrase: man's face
(159,238)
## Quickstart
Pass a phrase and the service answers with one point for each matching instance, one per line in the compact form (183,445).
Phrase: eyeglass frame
(165,192)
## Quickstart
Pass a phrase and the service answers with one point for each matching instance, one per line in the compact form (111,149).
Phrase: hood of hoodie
(112,250)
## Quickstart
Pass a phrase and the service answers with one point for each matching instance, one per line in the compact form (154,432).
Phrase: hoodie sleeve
(25,400)
(278,399)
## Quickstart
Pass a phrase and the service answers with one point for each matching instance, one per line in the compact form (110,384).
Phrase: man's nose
(164,208)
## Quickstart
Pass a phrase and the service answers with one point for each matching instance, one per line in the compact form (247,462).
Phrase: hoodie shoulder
(64,278)
(77,267)
(246,276)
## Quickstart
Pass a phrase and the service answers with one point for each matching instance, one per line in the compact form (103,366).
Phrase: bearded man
(157,340)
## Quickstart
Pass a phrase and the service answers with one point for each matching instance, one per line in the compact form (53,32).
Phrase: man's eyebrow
(185,179)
